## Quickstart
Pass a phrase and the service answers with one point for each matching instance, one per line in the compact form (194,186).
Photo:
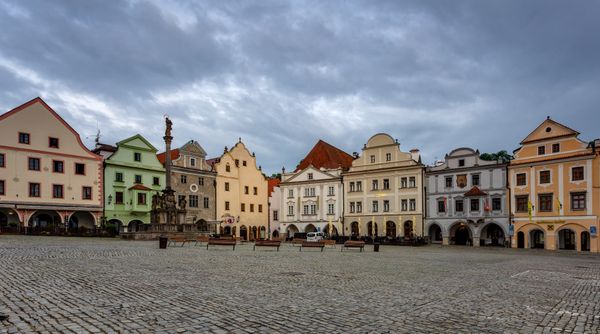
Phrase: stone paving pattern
(51,284)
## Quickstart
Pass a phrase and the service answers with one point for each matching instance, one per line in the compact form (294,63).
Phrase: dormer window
(23,138)
(388,157)
(555,148)
(53,142)
(227,168)
(541,150)
(193,162)
(372,159)
(461,163)
(137,156)
(310,176)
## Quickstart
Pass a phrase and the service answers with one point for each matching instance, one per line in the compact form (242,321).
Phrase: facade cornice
(586,156)
(464,169)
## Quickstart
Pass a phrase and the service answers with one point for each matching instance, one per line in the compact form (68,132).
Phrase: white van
(315,236)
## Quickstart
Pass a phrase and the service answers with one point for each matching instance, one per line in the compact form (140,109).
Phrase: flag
(486,206)
(445,204)
(529,209)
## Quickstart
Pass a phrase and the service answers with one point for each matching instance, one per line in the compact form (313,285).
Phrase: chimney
(414,153)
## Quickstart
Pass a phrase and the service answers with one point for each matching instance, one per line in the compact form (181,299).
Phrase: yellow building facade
(242,198)
(554,183)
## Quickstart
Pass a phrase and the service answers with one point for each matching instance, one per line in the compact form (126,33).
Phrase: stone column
(475,241)
(445,240)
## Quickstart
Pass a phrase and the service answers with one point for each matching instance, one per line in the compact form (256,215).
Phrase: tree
(500,155)
(276,176)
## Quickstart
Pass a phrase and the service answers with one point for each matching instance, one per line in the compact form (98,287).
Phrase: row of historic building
(546,197)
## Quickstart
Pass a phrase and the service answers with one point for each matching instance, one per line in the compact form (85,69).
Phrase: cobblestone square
(51,284)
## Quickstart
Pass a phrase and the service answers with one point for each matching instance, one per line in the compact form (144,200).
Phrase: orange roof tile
(174,155)
(139,187)
(273,182)
(326,155)
(475,191)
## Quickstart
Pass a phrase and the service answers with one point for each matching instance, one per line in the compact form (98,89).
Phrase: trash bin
(376,247)
(162,242)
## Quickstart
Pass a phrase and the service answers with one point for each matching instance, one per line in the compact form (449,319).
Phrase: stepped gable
(325,155)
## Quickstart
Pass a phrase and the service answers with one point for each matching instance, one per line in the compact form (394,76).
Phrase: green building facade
(132,174)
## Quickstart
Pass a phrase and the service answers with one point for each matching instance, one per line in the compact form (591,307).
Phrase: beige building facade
(242,198)
(48,178)
(384,191)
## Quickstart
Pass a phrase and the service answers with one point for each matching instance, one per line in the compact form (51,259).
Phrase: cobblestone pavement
(51,284)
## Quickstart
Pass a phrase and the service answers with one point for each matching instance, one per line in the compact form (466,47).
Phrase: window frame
(39,164)
(584,200)
(84,169)
(83,193)
(524,179)
(136,155)
(39,189)
(122,201)
(62,164)
(549,177)
(2,160)
(3,188)
(582,168)
(50,142)
(28,138)
(541,150)
(141,179)
(542,203)
(525,207)
(62,191)
(556,145)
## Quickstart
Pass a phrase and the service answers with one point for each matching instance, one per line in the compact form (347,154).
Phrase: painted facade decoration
(48,178)
(242,199)
(467,201)
(312,196)
(555,183)
(384,191)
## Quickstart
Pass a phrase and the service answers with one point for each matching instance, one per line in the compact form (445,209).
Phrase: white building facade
(467,202)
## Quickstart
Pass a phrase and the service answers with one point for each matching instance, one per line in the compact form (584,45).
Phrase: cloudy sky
(283,74)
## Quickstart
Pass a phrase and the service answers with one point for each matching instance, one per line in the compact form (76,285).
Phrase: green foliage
(500,155)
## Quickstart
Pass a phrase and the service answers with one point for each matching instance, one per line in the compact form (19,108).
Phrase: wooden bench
(221,242)
(354,244)
(297,242)
(313,244)
(267,243)
(175,239)
(329,243)
(201,238)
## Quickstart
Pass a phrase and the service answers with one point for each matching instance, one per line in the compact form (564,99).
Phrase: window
(79,169)
(358,185)
(23,138)
(541,150)
(2,160)
(206,203)
(578,201)
(331,191)
(352,207)
(496,204)
(119,177)
(544,177)
(255,190)
(412,182)
(141,199)
(521,179)
(251,207)
(313,209)
(226,186)
(138,179)
(555,148)
(244,163)
(183,178)
(309,192)
(577,174)
(260,208)
(34,190)
(156,181)
(246,190)
(448,181)
(545,202)
(237,163)
(2,187)
(375,185)
(87,193)
(57,191)
(180,198)
(372,159)
(119,197)
(305,210)
(461,162)
(290,210)
(137,156)
(193,201)
(201,181)
(358,207)
(290,193)
(475,179)
(386,184)
(34,164)
(375,206)
(192,162)
(404,205)
(58,166)
(441,206)
(388,157)
(459,205)
(474,204)
(310,176)
(386,206)
(243,207)
(53,142)
(403,182)
(522,202)
(330,209)
(227,168)
(227,205)
(352,188)
(275,215)
(412,204)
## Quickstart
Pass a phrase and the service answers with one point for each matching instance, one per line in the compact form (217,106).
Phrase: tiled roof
(139,187)
(211,162)
(174,155)
(273,182)
(104,147)
(475,192)
(327,156)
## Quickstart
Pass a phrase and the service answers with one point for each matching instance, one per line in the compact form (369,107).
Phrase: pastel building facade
(242,198)
(313,194)
(274,207)
(555,187)
(384,191)
(48,178)
(467,200)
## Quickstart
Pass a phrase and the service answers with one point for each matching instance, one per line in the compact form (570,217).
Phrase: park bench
(297,242)
(267,243)
(221,242)
(312,244)
(354,244)
(175,239)
(329,243)
(201,238)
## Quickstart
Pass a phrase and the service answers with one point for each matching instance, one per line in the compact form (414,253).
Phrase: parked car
(315,236)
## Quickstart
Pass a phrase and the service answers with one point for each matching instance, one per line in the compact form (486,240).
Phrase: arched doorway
(275,234)
(390,229)
(536,239)
(585,241)
(372,228)
(254,233)
(408,229)
(566,239)
(3,220)
(354,229)
(134,225)
(520,240)
(492,235)
(45,220)
(243,233)
(435,234)
(310,228)
(263,232)
(114,226)
(292,230)
(227,230)
(202,226)
(9,220)
(460,234)
(82,219)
